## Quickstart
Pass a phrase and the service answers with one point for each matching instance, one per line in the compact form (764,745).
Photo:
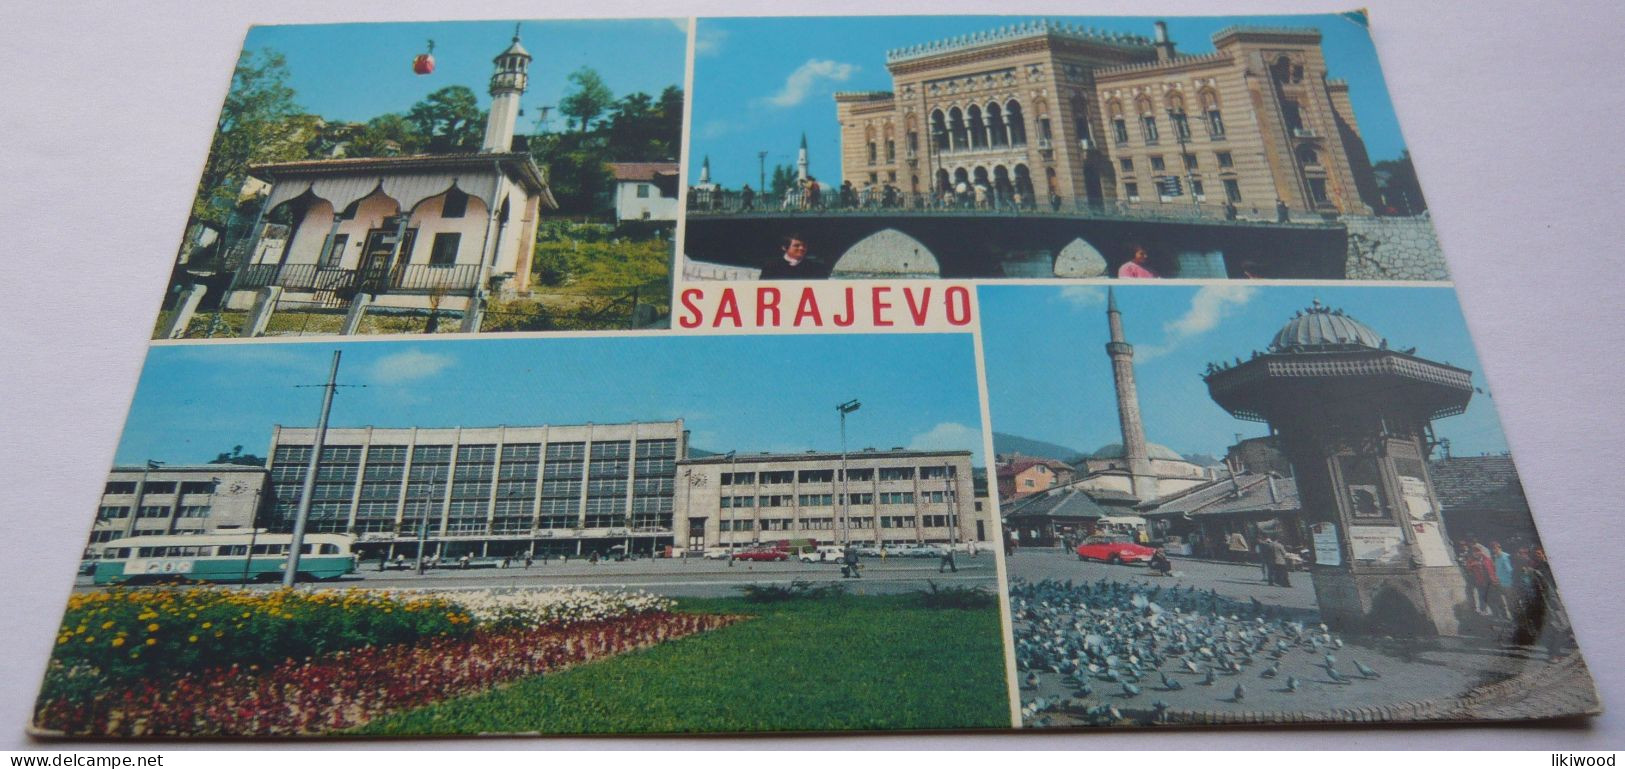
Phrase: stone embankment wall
(1394,248)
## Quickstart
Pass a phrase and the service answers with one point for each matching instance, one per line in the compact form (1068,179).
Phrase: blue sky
(1049,378)
(354,72)
(745,393)
(760,82)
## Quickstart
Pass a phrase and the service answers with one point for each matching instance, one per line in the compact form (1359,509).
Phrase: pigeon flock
(1111,643)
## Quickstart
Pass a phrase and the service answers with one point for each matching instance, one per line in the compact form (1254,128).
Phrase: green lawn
(847,663)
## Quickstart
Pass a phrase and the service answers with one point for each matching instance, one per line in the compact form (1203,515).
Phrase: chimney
(1165,47)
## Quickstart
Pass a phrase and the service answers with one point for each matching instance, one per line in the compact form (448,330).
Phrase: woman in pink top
(1137,268)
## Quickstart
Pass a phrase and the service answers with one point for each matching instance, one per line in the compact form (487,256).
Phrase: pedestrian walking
(849,563)
(1279,561)
(947,561)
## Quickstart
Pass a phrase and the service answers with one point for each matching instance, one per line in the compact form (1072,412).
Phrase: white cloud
(708,40)
(807,77)
(950,436)
(409,365)
(1209,305)
(1084,296)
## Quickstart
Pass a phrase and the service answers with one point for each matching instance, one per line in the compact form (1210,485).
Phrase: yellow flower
(152,641)
(152,628)
(208,625)
(191,639)
(107,624)
(117,642)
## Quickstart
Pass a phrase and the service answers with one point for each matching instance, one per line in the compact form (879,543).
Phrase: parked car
(762,555)
(924,551)
(1114,549)
(717,553)
(870,550)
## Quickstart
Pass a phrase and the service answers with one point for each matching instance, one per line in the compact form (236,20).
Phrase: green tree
(252,128)
(590,98)
(1400,187)
(449,120)
(388,135)
(783,179)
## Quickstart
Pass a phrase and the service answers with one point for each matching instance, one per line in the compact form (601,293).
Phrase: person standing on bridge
(747,198)
(1139,266)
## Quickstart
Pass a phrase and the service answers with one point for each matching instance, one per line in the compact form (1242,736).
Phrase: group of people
(1515,586)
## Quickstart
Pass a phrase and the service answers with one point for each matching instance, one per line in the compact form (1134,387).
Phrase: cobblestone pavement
(1447,679)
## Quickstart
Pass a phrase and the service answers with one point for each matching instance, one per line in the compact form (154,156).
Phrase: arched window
(1210,108)
(998,132)
(978,129)
(1080,118)
(939,130)
(1148,121)
(956,128)
(1119,124)
(1176,115)
(1016,122)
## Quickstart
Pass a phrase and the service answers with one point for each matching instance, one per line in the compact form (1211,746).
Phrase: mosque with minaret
(1134,466)
(435,231)
(1114,481)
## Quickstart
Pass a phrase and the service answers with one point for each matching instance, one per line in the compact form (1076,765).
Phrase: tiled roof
(641,172)
(1249,492)
(1060,503)
(1478,484)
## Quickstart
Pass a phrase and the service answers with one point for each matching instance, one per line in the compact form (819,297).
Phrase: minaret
(507,83)
(801,160)
(1128,405)
(705,171)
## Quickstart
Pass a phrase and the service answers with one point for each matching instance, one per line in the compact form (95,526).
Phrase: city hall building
(485,491)
(891,497)
(1095,118)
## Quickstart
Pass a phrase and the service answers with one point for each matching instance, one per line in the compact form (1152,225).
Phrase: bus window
(330,549)
(148,552)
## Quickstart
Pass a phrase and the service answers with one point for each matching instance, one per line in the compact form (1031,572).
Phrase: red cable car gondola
(423,64)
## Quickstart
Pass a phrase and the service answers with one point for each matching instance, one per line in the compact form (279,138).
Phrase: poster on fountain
(996,373)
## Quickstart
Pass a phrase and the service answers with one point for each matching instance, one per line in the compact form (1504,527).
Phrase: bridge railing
(894,202)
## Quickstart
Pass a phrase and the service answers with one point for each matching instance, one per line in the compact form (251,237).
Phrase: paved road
(687,577)
(1238,581)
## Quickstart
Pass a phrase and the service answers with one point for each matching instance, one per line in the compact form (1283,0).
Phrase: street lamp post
(846,498)
(761,172)
(1181,132)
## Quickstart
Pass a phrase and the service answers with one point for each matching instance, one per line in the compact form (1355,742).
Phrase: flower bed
(348,688)
(109,638)
(516,608)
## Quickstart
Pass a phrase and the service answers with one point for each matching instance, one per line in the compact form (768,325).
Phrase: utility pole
(761,172)
(303,515)
(846,498)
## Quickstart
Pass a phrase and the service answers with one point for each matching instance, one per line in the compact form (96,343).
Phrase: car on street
(823,554)
(870,550)
(717,553)
(762,555)
(1114,549)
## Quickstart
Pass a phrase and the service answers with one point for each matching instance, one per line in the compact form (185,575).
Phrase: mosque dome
(1154,450)
(1320,328)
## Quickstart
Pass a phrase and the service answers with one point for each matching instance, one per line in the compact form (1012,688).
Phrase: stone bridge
(988,244)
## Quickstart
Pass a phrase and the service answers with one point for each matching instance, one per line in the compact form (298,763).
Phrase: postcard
(808,374)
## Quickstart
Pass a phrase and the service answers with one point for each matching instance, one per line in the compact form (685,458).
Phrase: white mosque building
(440,231)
